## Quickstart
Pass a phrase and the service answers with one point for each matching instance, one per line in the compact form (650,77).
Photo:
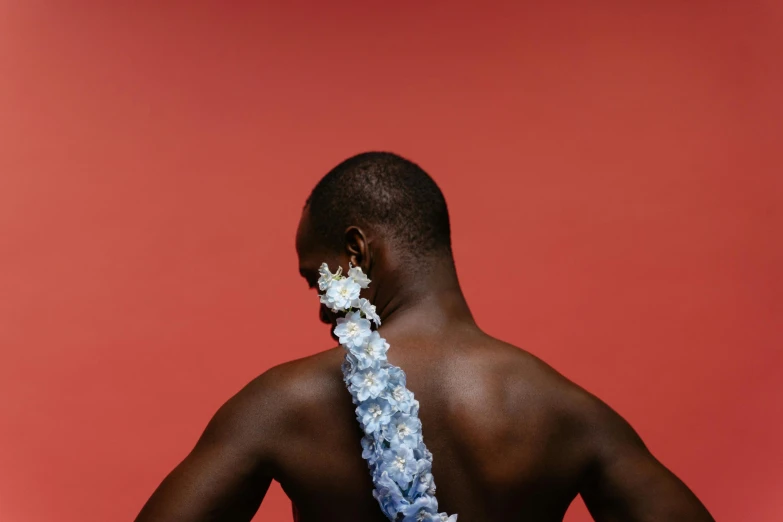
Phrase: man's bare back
(495,418)
(511,438)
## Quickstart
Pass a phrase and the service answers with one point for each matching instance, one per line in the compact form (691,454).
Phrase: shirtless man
(512,439)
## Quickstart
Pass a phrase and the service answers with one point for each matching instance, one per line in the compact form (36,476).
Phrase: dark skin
(512,439)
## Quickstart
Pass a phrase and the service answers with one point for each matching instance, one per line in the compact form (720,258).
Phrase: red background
(613,173)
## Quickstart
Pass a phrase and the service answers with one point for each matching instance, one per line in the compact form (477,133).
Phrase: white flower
(377,346)
(329,304)
(367,309)
(357,275)
(327,277)
(353,330)
(340,294)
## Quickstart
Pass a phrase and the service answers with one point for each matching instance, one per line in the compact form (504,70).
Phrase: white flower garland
(399,462)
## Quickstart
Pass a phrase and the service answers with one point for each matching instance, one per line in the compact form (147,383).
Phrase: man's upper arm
(624,482)
(228,472)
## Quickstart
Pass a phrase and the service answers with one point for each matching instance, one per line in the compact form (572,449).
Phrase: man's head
(375,210)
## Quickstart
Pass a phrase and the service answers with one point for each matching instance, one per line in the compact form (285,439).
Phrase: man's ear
(358,248)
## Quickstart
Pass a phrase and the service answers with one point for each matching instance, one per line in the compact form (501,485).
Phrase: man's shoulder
(575,417)
(296,383)
(535,389)
(520,373)
(278,398)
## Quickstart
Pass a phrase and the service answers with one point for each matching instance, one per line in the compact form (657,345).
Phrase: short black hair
(383,190)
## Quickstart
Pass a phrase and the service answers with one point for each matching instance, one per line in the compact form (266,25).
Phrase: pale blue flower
(423,453)
(372,450)
(389,496)
(423,482)
(371,353)
(398,396)
(423,509)
(396,376)
(403,429)
(352,330)
(400,464)
(424,485)
(373,414)
(368,384)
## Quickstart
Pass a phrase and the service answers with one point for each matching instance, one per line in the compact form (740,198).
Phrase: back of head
(386,193)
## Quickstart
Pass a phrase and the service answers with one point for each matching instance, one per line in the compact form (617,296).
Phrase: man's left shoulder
(588,425)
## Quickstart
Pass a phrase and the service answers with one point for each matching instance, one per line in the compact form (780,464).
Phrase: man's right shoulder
(295,383)
(275,403)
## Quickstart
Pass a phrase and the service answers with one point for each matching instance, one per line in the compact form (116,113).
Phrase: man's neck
(422,298)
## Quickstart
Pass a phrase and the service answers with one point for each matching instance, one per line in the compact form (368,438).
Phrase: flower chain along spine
(399,462)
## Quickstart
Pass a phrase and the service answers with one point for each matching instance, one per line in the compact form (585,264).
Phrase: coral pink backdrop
(613,172)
